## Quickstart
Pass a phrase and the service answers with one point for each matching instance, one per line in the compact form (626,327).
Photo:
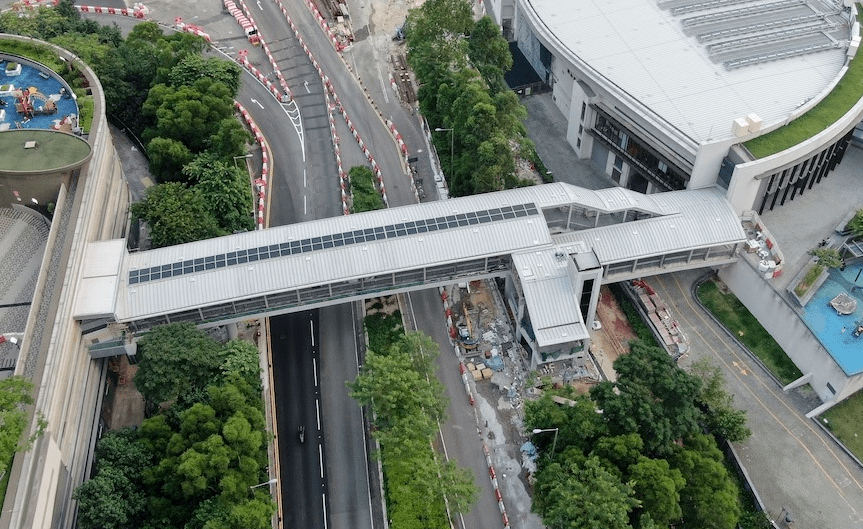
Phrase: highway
(314,353)
(294,341)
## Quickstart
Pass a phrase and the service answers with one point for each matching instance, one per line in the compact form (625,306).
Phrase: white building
(662,95)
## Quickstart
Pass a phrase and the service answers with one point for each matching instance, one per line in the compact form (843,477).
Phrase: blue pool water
(827,324)
(48,87)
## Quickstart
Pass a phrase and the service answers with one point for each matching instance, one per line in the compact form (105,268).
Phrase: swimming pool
(49,89)
(836,332)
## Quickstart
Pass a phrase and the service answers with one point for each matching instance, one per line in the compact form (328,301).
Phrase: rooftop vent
(30,145)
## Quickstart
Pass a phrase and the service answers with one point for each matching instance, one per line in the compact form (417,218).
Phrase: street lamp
(451,145)
(243,156)
(554,443)
(271,482)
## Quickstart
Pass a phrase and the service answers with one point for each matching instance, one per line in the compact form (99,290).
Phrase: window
(583,110)
(544,56)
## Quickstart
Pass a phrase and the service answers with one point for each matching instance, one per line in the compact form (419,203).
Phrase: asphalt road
(460,439)
(342,344)
(294,339)
(791,462)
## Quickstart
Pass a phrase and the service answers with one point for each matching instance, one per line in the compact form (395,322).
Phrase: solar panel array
(314,244)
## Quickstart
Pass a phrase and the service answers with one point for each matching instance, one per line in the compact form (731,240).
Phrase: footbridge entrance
(556,244)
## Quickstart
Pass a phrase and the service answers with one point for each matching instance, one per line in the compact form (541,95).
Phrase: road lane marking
(321,458)
(324,496)
(318,411)
(312,331)
(315,365)
(255,101)
(696,310)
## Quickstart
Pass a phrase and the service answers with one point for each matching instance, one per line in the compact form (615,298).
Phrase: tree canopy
(635,449)
(176,214)
(193,463)
(15,394)
(364,194)
(408,402)
(460,67)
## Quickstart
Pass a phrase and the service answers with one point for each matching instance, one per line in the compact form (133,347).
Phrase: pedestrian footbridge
(556,244)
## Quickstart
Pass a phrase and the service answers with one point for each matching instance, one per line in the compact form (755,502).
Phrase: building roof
(695,219)
(655,56)
(132,286)
(554,313)
(51,151)
(325,265)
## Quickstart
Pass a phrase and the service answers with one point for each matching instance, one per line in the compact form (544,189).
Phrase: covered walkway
(339,259)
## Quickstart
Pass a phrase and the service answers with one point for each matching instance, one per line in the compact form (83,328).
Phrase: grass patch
(808,280)
(642,331)
(843,420)
(737,318)
(839,101)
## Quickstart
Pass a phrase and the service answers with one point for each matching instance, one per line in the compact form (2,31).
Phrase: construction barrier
(265,165)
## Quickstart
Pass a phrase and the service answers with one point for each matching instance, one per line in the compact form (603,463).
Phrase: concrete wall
(744,188)
(69,383)
(789,331)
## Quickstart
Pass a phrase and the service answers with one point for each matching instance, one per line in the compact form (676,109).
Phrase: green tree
(229,139)
(194,66)
(435,37)
(582,495)
(189,113)
(15,394)
(709,499)
(108,501)
(216,452)
(242,357)
(176,214)
(651,397)
(657,486)
(176,358)
(720,416)
(364,194)
(580,425)
(167,159)
(829,257)
(856,224)
(225,190)
(489,53)
(114,497)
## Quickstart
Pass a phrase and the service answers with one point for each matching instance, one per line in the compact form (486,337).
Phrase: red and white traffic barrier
(256,38)
(330,91)
(248,26)
(138,10)
(190,28)
(265,165)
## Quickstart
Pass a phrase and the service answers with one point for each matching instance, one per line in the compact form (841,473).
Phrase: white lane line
(321,458)
(312,331)
(304,177)
(324,496)
(315,366)
(305,209)
(318,409)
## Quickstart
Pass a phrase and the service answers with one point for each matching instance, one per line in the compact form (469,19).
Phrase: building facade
(663,95)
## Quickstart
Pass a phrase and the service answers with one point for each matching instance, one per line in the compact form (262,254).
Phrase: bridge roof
(693,219)
(132,286)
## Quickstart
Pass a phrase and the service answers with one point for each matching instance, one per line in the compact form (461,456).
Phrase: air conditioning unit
(754,122)
(740,127)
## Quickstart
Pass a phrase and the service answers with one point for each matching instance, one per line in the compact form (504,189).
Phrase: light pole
(243,156)
(554,443)
(271,482)
(451,145)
